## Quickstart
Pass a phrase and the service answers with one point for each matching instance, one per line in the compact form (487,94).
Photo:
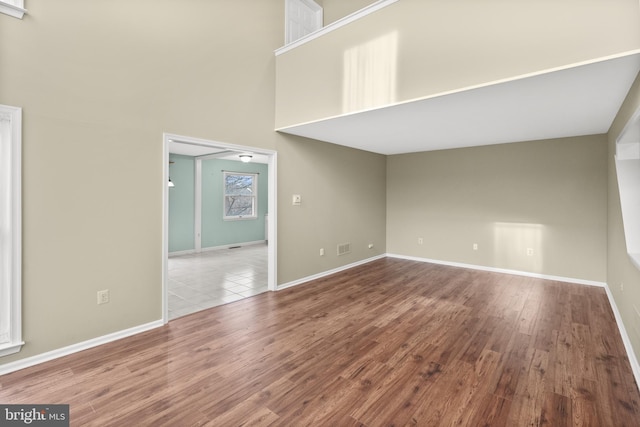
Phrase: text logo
(34,415)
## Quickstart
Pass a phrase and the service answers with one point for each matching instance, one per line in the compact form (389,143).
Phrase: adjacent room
(217,226)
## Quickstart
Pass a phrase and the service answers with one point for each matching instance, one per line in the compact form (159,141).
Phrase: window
(13,8)
(10,230)
(240,195)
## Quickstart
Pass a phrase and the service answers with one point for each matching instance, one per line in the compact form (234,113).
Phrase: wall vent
(344,248)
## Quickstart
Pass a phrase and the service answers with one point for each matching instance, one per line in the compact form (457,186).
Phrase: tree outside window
(240,195)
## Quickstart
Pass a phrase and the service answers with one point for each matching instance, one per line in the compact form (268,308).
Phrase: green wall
(181,203)
(215,230)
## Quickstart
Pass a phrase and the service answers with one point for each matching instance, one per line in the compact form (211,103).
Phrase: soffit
(581,100)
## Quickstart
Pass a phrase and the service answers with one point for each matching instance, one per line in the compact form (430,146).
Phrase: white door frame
(271,223)
(309,7)
(197,211)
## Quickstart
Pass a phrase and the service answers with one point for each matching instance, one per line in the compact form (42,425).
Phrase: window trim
(11,118)
(254,196)
(627,163)
(14,8)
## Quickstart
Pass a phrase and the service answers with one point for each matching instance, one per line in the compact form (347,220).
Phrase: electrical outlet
(103,296)
(296,200)
(370,245)
(475,246)
(321,251)
(529,251)
(420,241)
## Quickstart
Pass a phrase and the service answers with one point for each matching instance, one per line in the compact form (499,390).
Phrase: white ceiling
(197,150)
(582,100)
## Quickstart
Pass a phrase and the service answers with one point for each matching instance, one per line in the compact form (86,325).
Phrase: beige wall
(336,9)
(343,200)
(443,46)
(619,267)
(99,82)
(549,196)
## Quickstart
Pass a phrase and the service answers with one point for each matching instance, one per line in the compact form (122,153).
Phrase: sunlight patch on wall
(518,246)
(369,76)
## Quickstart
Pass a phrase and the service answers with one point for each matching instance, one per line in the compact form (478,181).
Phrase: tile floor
(208,279)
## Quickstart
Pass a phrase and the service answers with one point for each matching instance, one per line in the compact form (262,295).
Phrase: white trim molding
(451,264)
(10,230)
(503,270)
(631,355)
(13,8)
(272,252)
(335,25)
(328,272)
(633,360)
(216,248)
(627,161)
(75,348)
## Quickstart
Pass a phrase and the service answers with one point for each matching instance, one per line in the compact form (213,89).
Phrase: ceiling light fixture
(245,158)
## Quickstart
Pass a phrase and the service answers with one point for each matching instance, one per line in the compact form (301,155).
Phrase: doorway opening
(220,240)
(302,17)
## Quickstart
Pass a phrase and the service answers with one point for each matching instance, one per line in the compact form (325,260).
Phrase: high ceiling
(581,100)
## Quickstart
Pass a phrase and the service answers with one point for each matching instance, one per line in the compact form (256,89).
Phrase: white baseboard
(217,248)
(502,270)
(631,355)
(328,272)
(74,348)
(230,245)
(633,360)
(180,253)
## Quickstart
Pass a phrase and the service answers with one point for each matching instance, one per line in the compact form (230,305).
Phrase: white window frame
(13,8)
(10,230)
(254,195)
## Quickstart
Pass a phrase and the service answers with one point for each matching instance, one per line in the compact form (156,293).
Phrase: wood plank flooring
(392,342)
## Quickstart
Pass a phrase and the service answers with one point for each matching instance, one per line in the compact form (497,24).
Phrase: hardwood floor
(392,342)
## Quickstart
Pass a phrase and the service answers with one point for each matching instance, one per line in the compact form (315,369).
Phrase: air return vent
(344,248)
